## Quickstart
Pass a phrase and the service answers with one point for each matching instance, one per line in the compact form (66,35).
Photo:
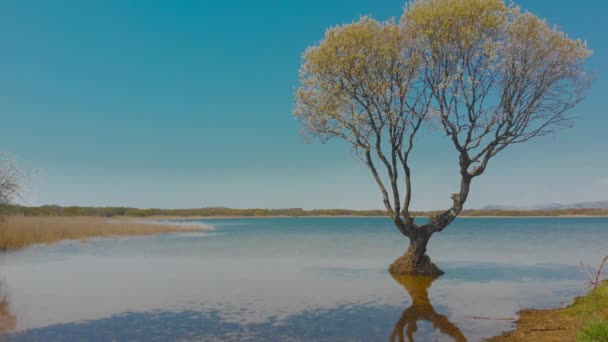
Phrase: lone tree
(485,73)
(9,185)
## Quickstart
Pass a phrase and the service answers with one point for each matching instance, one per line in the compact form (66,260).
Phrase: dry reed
(18,232)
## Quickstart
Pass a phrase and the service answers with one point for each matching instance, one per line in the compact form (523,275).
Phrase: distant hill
(551,206)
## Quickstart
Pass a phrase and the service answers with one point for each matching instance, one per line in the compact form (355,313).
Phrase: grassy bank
(18,232)
(586,319)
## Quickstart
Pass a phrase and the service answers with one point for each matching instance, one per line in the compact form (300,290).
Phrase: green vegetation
(586,319)
(589,306)
(593,311)
(594,332)
(55,210)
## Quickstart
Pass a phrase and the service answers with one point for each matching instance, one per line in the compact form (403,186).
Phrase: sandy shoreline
(562,323)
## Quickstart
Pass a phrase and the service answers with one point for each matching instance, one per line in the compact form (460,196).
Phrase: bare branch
(498,77)
(362,84)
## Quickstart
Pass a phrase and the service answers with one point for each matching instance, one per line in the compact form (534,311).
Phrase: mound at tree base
(405,265)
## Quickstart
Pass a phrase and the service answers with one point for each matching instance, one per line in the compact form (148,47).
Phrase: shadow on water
(358,322)
(421,309)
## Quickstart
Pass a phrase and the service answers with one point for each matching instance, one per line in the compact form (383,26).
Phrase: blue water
(297,279)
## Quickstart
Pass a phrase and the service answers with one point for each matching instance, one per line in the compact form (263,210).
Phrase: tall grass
(18,232)
(593,307)
(596,331)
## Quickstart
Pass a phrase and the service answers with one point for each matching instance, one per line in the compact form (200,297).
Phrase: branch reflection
(421,310)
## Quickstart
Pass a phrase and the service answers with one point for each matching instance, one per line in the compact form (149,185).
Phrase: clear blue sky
(188,104)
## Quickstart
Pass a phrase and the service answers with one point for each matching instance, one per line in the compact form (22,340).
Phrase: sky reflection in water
(296,279)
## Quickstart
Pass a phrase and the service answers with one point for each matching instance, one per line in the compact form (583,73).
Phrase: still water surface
(297,279)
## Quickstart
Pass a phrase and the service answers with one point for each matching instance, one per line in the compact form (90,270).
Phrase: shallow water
(286,279)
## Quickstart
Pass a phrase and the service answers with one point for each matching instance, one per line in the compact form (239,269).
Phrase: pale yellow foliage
(531,37)
(349,78)
(358,70)
(451,25)
(484,72)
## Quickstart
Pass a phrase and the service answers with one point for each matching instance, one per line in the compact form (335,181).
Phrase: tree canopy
(485,73)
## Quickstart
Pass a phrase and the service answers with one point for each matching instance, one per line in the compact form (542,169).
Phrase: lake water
(297,279)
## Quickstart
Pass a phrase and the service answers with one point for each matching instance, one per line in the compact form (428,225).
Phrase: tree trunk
(415,261)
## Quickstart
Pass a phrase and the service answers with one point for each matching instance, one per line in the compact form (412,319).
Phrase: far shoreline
(226,217)
(232,213)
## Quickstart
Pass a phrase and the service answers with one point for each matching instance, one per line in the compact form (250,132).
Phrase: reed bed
(19,232)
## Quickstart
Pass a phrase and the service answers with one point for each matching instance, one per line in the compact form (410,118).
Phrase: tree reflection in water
(421,310)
